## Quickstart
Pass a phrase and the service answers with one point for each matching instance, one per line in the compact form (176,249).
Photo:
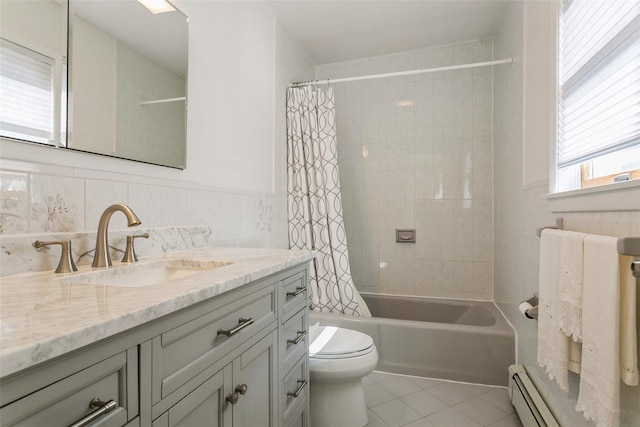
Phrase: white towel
(570,285)
(599,395)
(557,353)
(628,328)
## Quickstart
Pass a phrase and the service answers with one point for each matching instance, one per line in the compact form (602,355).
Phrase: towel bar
(558,226)
(630,246)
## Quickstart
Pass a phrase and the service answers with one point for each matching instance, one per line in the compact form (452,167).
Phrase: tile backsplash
(42,206)
(19,255)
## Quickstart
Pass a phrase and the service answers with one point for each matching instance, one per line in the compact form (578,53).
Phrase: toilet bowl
(338,359)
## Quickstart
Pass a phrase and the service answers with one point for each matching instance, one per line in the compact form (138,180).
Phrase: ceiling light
(157,6)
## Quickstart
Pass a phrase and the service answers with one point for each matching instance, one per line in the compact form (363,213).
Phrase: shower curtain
(314,201)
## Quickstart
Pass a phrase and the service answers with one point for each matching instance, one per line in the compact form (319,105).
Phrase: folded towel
(570,285)
(602,342)
(628,331)
(554,347)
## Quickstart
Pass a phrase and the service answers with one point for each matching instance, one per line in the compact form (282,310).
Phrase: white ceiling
(334,31)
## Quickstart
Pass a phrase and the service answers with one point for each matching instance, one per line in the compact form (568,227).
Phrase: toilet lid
(329,342)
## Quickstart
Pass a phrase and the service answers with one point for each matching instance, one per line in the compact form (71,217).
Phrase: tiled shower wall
(416,152)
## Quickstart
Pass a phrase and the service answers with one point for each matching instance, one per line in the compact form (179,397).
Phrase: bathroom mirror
(127,81)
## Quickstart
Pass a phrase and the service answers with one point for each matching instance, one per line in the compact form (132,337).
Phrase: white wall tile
(56,203)
(423,141)
(482,89)
(100,195)
(14,202)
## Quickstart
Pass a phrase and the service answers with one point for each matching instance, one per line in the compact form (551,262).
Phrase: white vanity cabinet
(238,359)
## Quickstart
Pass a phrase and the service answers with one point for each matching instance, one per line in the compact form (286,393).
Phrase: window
(27,110)
(599,93)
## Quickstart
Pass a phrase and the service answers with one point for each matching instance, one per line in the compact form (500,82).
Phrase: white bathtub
(438,338)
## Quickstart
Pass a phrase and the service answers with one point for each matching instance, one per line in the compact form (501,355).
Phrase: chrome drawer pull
(302,384)
(242,323)
(300,337)
(103,408)
(298,291)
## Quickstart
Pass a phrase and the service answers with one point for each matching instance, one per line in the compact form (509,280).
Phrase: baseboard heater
(531,408)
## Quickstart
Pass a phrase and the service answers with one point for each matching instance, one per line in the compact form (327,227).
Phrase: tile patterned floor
(400,400)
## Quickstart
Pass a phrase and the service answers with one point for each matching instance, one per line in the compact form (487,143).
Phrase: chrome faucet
(102,257)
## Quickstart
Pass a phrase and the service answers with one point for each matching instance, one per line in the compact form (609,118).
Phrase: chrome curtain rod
(402,73)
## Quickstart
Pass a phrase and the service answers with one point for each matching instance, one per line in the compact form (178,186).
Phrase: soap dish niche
(405,235)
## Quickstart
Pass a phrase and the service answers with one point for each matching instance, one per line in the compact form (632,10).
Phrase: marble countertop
(44,315)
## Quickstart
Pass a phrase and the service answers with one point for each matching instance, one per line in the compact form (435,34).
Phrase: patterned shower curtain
(314,201)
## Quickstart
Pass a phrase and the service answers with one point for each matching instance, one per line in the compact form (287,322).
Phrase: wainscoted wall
(66,206)
(46,192)
(416,152)
(520,210)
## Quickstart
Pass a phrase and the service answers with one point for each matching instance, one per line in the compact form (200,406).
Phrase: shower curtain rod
(402,73)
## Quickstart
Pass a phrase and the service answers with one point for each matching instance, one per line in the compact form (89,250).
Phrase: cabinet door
(203,407)
(256,368)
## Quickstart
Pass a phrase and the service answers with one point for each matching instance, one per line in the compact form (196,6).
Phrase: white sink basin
(146,274)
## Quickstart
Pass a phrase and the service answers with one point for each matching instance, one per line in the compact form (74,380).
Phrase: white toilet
(338,359)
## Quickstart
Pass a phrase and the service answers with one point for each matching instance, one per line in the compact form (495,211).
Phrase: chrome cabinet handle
(300,337)
(301,386)
(241,389)
(298,291)
(103,408)
(242,323)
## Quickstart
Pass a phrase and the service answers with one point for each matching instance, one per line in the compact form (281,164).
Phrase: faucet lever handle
(130,252)
(66,264)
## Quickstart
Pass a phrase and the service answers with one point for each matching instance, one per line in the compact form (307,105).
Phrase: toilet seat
(341,344)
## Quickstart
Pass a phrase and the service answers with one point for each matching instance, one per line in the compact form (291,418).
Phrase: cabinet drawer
(294,294)
(67,401)
(295,389)
(294,340)
(183,352)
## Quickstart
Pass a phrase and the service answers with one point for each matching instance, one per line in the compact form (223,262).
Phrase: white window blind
(26,94)
(599,79)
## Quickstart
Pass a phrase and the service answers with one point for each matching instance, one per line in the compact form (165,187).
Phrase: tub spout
(102,257)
